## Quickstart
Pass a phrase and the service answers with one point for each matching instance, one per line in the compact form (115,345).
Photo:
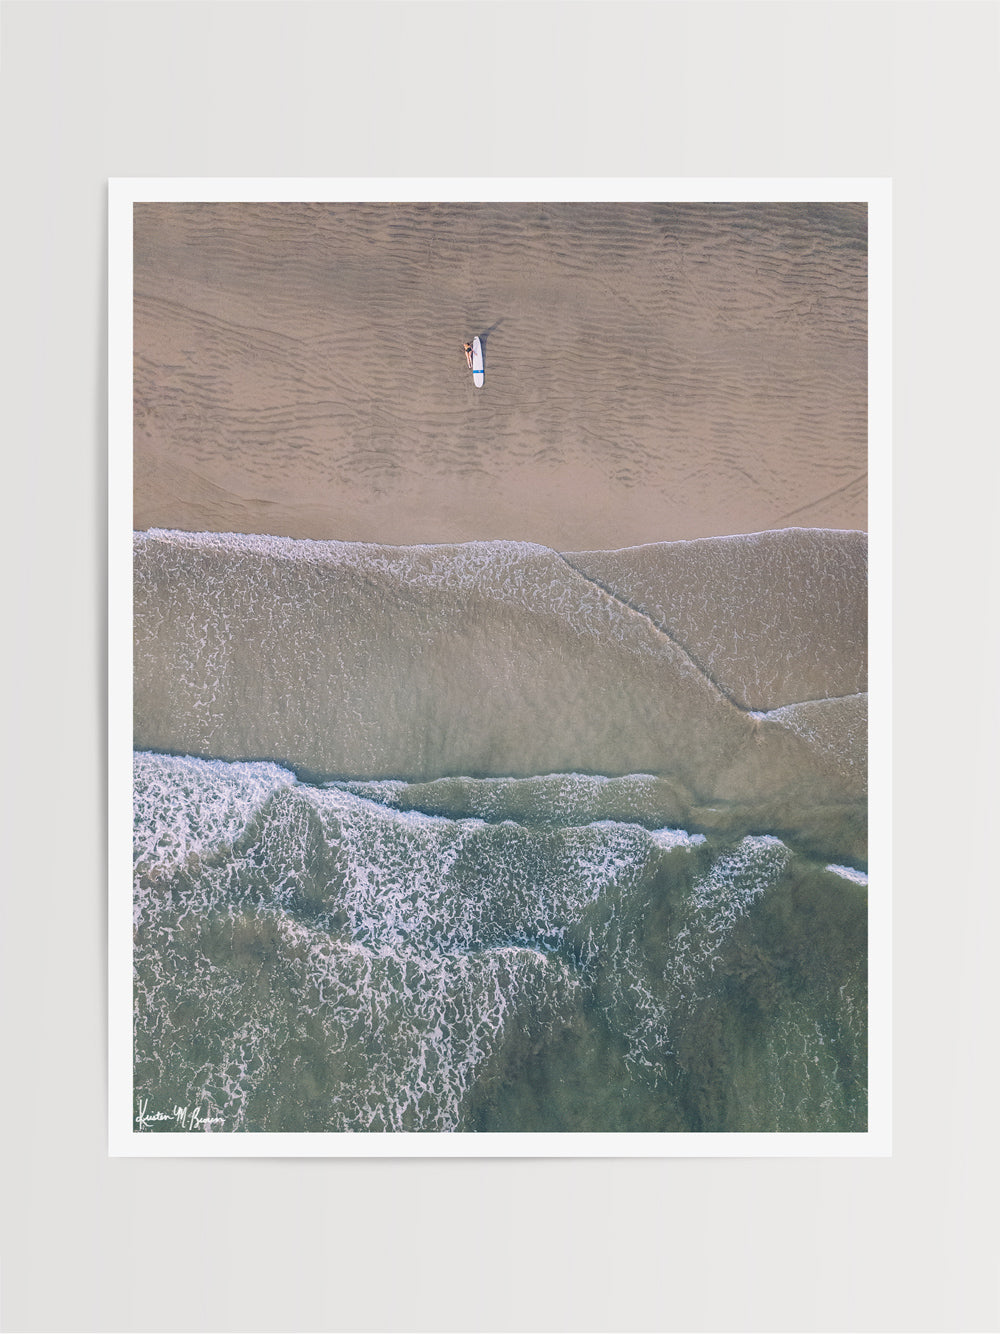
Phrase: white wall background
(92,90)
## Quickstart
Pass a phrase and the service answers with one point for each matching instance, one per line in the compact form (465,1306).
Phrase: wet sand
(654,372)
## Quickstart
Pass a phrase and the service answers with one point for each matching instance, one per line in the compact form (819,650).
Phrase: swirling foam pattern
(311,958)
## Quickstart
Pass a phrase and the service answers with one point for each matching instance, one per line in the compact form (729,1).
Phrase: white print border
(196,1132)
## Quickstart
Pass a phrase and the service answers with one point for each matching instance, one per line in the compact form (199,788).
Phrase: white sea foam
(434,1021)
(449,934)
(717,902)
(675,838)
(184,806)
(428,882)
(849,873)
(836,727)
(527,577)
(416,947)
(560,798)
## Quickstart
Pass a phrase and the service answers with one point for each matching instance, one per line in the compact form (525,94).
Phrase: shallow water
(503,659)
(483,837)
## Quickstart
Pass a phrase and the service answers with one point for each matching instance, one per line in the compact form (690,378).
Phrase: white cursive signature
(185,1118)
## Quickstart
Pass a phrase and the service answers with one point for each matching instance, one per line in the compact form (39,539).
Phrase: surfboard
(478,374)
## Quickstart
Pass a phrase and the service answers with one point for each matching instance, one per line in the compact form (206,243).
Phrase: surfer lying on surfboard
(467,348)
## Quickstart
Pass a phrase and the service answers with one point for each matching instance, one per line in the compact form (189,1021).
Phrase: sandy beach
(653,371)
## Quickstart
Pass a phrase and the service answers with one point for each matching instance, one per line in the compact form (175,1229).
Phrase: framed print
(499,703)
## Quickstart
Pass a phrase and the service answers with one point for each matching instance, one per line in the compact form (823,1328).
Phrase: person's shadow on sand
(484,336)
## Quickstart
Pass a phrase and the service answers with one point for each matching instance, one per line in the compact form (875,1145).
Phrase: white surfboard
(478,374)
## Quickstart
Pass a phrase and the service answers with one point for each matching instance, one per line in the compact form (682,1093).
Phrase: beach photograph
(499,580)
(482,483)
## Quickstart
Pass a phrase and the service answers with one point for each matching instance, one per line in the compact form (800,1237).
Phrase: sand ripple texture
(653,371)
(478,660)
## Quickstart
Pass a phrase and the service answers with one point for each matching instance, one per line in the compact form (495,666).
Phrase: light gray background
(92,90)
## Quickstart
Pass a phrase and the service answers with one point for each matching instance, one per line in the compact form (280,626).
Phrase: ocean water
(485,837)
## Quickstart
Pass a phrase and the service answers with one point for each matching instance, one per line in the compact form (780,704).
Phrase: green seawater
(313,959)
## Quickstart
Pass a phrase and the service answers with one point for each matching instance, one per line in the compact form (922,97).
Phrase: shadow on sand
(484,336)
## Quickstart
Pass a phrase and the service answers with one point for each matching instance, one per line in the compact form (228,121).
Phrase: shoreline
(735,667)
(158,529)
